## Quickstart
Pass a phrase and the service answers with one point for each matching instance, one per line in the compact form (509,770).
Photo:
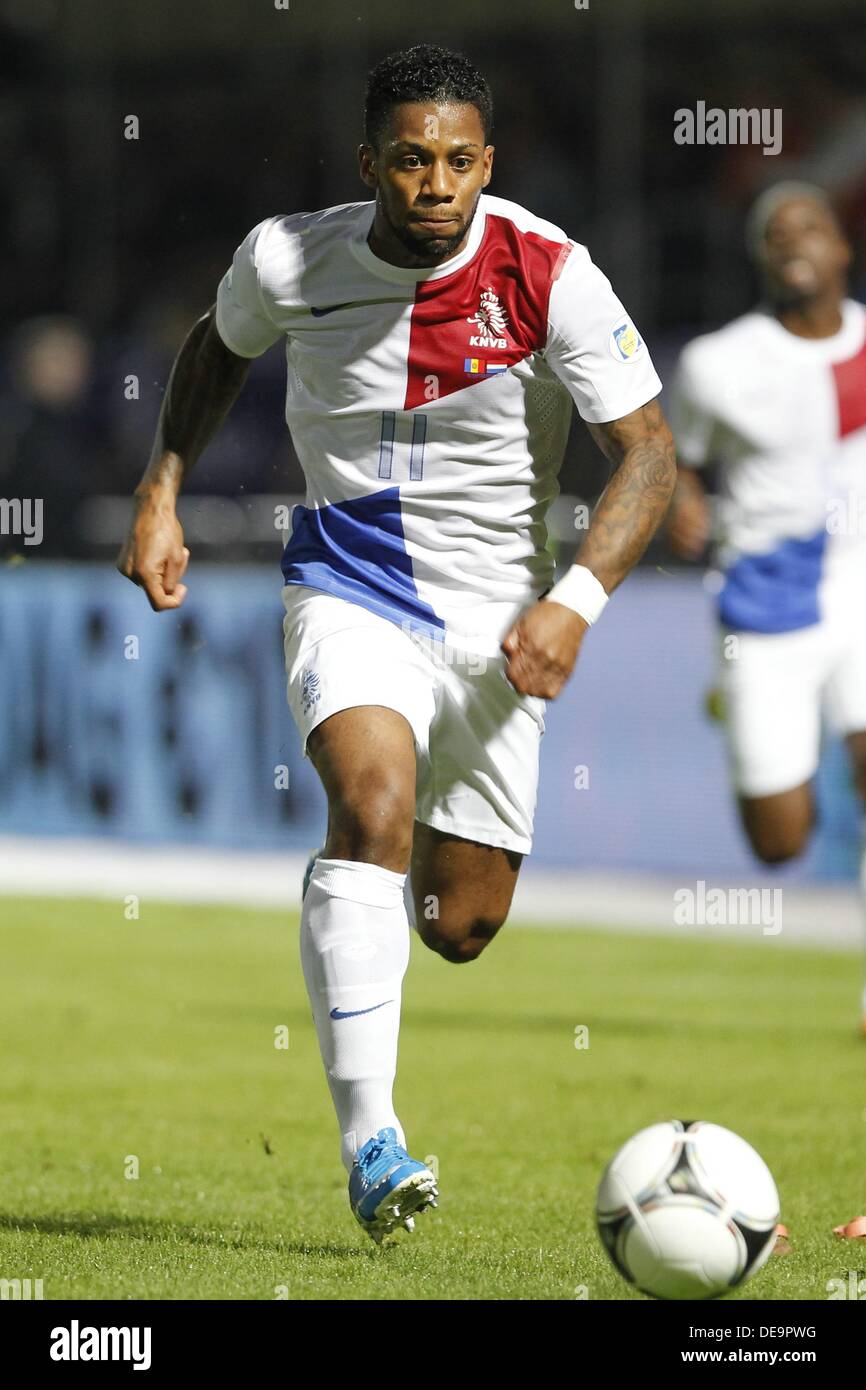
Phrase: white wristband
(581,591)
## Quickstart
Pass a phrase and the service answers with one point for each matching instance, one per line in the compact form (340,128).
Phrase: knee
(458,941)
(372,816)
(459,952)
(779,846)
(779,827)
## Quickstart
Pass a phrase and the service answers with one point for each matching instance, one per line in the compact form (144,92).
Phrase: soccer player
(777,399)
(436,337)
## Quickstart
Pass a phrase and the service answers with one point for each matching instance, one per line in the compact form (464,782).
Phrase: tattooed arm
(634,503)
(543,644)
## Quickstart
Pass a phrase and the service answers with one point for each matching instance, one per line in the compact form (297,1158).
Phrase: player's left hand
(542,648)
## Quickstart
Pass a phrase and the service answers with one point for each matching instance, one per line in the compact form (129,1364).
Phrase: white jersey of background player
(436,338)
(777,399)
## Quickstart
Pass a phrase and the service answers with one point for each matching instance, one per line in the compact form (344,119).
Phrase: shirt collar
(400,275)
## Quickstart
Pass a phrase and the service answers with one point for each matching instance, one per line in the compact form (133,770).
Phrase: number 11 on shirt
(416,448)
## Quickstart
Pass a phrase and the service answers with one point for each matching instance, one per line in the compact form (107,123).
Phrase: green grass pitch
(153,1042)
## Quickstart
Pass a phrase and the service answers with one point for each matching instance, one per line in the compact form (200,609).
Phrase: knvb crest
(310,691)
(491,321)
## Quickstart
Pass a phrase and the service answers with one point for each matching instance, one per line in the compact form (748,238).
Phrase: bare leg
(779,826)
(354,938)
(462,891)
(365,758)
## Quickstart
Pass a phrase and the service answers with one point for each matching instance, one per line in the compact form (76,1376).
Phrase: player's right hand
(154,555)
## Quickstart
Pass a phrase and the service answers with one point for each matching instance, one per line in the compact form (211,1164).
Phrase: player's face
(428,173)
(805,253)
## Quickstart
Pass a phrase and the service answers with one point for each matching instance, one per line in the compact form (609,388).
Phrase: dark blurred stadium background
(245,110)
(114,246)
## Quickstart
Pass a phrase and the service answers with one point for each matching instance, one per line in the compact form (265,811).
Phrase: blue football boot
(386,1186)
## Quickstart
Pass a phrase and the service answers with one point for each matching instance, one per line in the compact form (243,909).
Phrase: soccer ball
(687,1210)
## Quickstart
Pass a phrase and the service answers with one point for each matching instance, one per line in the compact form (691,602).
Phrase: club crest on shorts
(310,689)
(625,343)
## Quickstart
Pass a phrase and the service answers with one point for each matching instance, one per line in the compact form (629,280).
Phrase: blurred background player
(436,340)
(777,400)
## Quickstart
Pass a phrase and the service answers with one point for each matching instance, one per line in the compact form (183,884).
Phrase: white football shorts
(776,690)
(476,739)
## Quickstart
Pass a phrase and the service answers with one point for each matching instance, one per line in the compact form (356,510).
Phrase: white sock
(354,953)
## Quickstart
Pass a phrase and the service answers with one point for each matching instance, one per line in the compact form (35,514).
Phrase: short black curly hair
(425,72)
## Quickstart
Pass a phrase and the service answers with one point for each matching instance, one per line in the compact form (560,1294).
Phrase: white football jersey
(430,408)
(784,417)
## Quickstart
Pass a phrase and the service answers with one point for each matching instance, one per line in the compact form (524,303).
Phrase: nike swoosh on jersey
(319,313)
(353,1013)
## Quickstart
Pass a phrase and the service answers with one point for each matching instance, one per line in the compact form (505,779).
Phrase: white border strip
(825,915)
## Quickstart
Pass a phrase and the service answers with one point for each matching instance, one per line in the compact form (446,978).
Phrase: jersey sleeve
(692,421)
(593,346)
(242,317)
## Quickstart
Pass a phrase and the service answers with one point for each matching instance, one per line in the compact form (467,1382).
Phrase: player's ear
(367,165)
(488,165)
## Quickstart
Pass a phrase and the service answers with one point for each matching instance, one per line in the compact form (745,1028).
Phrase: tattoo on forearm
(636,499)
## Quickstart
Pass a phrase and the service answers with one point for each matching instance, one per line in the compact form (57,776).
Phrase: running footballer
(777,400)
(436,338)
